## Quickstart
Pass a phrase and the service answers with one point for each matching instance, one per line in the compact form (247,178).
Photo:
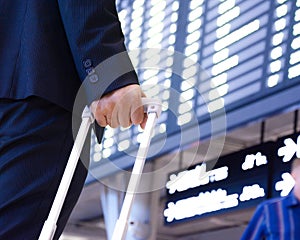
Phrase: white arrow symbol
(289,149)
(285,185)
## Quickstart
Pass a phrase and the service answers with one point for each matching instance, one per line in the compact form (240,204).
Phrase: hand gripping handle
(151,106)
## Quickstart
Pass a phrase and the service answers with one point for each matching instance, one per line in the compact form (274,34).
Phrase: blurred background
(228,75)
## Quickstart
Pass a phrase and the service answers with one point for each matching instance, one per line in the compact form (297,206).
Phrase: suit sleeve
(94,34)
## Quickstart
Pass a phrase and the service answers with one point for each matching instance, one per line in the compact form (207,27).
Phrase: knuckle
(102,124)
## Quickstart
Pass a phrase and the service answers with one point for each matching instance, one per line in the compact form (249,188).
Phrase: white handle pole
(121,226)
(49,226)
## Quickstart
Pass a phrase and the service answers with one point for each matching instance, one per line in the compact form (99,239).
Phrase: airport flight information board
(236,60)
(236,181)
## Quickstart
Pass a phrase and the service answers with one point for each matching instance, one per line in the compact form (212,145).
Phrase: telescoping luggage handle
(153,109)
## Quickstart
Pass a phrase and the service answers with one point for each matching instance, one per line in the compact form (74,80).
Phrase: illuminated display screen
(239,180)
(248,49)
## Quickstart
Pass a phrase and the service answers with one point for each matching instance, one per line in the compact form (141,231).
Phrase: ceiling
(86,221)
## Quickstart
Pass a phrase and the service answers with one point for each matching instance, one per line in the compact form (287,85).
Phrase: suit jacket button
(87,63)
(93,78)
(90,71)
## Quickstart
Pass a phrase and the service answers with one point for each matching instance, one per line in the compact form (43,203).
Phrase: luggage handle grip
(49,227)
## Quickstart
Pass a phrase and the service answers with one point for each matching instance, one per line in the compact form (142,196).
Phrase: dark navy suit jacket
(48,47)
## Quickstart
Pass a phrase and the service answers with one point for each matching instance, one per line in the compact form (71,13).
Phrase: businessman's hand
(122,107)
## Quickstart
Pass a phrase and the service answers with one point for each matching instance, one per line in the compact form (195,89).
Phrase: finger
(124,119)
(124,115)
(108,119)
(114,121)
(93,107)
(137,113)
(143,123)
(99,113)
(101,120)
